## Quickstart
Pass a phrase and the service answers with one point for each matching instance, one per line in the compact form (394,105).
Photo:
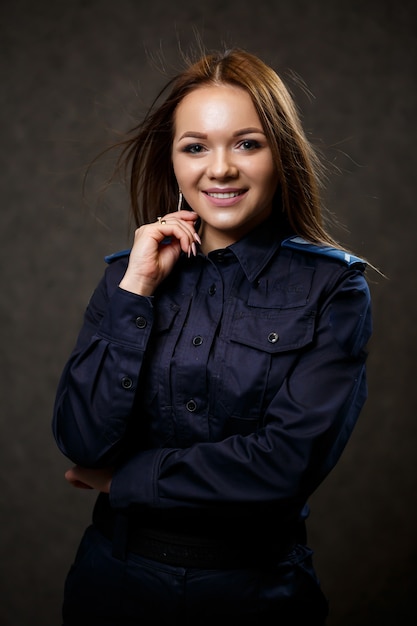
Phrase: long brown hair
(145,157)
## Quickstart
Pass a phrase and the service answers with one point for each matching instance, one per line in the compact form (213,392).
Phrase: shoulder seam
(109,258)
(298,243)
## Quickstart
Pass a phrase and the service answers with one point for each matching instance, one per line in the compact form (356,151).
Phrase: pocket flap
(272,331)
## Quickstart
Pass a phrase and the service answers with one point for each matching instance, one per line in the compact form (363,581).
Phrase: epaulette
(298,243)
(116,255)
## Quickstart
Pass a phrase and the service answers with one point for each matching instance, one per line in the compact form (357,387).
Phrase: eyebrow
(244,131)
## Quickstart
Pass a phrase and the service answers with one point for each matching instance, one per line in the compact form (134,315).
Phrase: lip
(224,196)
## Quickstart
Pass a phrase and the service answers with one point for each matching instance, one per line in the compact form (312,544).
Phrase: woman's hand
(150,259)
(85,478)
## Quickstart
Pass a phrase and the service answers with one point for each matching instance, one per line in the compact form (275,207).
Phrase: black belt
(191,551)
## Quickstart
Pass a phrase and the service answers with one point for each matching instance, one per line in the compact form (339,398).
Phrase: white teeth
(231,194)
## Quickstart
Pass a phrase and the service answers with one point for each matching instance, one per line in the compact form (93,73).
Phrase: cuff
(128,319)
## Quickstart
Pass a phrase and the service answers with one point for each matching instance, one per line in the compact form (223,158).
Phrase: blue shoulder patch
(298,243)
(116,255)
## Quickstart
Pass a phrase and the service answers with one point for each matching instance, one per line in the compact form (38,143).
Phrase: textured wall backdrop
(74,72)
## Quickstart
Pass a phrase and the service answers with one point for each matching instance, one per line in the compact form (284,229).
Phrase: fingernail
(189,251)
(197,238)
(194,248)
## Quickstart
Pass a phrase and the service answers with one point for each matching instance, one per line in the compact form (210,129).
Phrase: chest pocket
(261,350)
(277,316)
(274,331)
(262,341)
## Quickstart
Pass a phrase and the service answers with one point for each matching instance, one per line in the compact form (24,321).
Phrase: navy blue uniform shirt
(236,385)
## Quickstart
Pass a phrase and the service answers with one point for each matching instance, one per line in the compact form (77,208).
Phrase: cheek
(187,174)
(266,176)
(176,166)
(271,180)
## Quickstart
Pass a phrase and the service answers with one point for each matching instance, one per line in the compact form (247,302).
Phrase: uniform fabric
(104,591)
(222,401)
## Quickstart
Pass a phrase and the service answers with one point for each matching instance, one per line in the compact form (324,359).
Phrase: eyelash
(197,148)
(253,144)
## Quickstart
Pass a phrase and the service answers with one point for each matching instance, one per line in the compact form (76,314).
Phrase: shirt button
(197,341)
(212,290)
(191,406)
(141,322)
(273,337)
(127,383)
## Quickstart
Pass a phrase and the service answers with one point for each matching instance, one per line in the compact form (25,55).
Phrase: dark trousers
(102,590)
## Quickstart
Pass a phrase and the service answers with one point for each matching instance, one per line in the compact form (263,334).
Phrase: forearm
(97,388)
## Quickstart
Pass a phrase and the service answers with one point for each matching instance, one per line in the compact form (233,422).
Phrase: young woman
(220,368)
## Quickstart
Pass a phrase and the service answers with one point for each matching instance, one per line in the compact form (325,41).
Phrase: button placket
(196,341)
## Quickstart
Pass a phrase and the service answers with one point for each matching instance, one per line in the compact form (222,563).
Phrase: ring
(161,221)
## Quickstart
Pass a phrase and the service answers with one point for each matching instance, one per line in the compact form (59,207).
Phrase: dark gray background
(74,71)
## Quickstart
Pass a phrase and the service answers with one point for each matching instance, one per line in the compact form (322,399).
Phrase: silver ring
(161,221)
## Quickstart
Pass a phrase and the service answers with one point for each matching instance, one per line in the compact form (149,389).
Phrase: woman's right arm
(96,391)
(97,388)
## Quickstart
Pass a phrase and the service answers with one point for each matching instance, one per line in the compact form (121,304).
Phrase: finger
(189,216)
(71,477)
(79,484)
(185,216)
(182,230)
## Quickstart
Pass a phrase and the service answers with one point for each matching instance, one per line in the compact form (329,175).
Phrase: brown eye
(249,144)
(194,148)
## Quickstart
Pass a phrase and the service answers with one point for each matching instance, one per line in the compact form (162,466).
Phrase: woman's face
(223,163)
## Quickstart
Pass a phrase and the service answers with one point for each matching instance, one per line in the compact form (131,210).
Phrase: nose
(221,165)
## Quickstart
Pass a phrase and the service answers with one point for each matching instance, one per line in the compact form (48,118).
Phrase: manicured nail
(194,249)
(197,238)
(189,251)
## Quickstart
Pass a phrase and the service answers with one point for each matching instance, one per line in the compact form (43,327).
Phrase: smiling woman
(223,163)
(220,368)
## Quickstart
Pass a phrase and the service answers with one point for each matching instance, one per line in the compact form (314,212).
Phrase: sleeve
(96,391)
(305,429)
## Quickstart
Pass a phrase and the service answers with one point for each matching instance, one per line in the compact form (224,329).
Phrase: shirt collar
(255,250)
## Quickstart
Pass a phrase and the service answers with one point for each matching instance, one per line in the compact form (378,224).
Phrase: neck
(214,241)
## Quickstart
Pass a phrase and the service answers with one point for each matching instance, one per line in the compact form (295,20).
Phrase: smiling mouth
(224,195)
